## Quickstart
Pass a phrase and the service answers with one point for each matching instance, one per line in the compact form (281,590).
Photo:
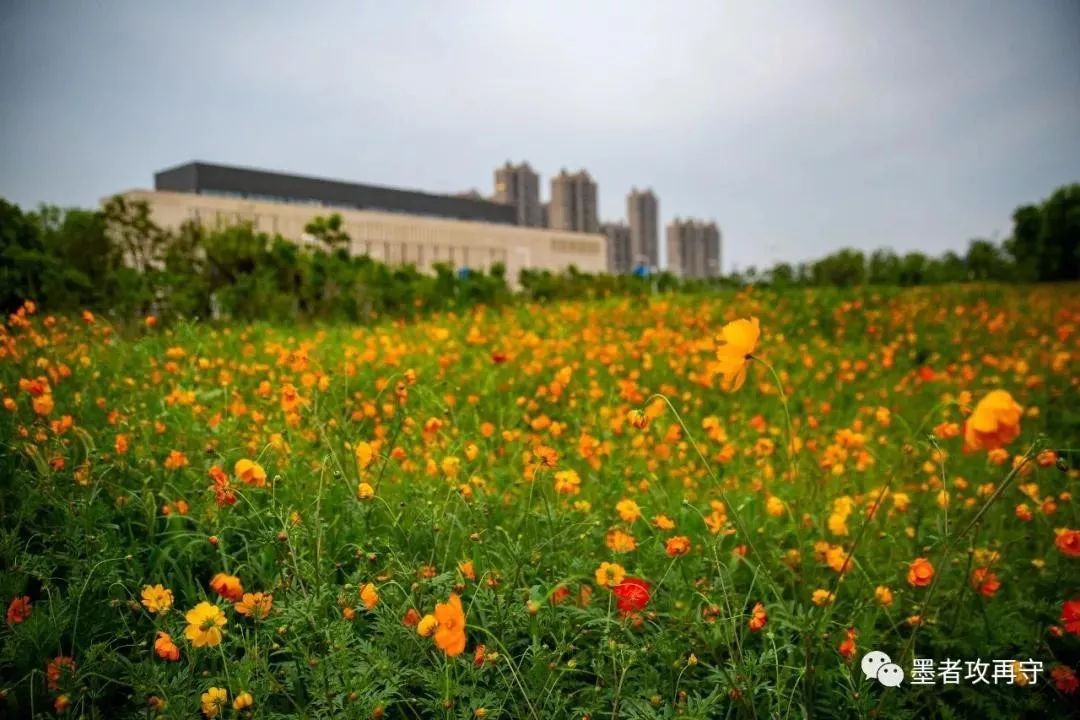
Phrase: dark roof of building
(208,178)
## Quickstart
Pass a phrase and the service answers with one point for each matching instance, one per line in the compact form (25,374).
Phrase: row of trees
(1044,247)
(117,260)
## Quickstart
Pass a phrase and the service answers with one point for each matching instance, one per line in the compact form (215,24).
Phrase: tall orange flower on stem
(994,423)
(165,647)
(450,632)
(920,572)
(737,342)
(758,618)
(227,586)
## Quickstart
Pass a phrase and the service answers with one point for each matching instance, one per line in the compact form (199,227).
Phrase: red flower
(1068,541)
(498,357)
(632,595)
(847,647)
(1065,679)
(18,610)
(559,594)
(1070,616)
(57,668)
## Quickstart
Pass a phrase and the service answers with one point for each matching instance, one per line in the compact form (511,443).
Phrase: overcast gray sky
(801,127)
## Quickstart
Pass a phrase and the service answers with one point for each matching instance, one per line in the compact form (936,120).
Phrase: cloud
(801,127)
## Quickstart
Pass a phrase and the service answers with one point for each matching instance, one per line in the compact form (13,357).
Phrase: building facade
(693,248)
(201,178)
(396,238)
(619,255)
(519,187)
(643,212)
(573,205)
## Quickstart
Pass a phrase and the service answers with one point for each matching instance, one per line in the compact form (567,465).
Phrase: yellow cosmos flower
(621,542)
(737,342)
(243,701)
(426,626)
(205,621)
(156,598)
(213,700)
(250,473)
(628,510)
(609,574)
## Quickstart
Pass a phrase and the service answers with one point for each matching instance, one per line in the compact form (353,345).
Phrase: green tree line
(116,260)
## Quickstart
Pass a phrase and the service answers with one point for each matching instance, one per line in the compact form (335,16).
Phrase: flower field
(691,506)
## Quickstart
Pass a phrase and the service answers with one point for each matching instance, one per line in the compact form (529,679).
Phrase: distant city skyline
(801,127)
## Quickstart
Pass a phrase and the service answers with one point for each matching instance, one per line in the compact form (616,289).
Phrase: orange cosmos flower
(450,634)
(369,596)
(1068,542)
(567,482)
(994,423)
(18,610)
(227,586)
(365,454)
(758,618)
(628,510)
(256,605)
(547,457)
(621,542)
(638,419)
(920,572)
(737,342)
(290,398)
(985,582)
(678,545)
(250,473)
(165,647)
(663,522)
(243,701)
(43,404)
(176,460)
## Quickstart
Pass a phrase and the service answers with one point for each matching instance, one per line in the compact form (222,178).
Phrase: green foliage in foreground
(455,409)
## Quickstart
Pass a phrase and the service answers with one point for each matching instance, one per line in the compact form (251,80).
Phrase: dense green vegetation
(117,261)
